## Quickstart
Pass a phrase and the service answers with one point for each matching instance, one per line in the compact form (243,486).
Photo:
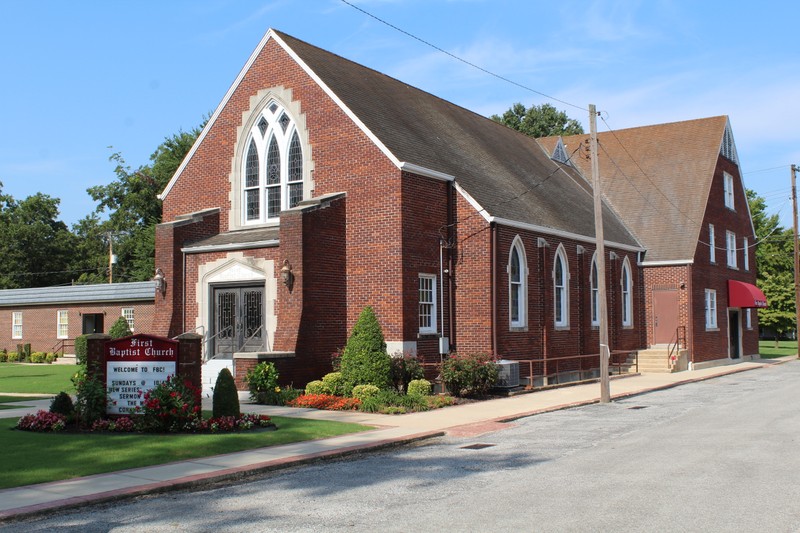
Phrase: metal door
(665,316)
(238,320)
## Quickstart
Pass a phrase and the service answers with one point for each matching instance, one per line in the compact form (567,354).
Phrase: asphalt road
(719,455)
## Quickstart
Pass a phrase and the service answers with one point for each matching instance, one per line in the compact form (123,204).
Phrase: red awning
(741,294)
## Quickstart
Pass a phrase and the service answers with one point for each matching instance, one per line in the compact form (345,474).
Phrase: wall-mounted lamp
(286,274)
(161,282)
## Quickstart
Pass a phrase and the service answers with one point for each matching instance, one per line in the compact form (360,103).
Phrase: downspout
(450,247)
(441,297)
(183,295)
(493,266)
(690,300)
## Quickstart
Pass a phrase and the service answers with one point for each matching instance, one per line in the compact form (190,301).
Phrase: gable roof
(506,174)
(658,179)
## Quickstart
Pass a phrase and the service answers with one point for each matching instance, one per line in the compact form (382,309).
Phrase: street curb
(207,479)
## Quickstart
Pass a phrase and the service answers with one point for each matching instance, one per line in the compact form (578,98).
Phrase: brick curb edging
(209,478)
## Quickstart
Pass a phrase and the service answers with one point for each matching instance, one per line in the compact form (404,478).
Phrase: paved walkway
(463,420)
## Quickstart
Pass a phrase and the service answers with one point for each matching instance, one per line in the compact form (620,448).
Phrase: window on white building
(427,303)
(711,309)
(127,313)
(16,325)
(62,324)
(728,185)
(730,247)
(712,250)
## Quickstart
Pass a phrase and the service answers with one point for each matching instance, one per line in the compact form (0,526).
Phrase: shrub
(38,357)
(419,387)
(120,329)
(62,405)
(51,358)
(405,368)
(262,381)
(364,359)
(42,421)
(90,404)
(392,402)
(362,392)
(172,405)
(469,375)
(316,387)
(336,385)
(3,356)
(80,349)
(437,402)
(226,397)
(13,357)
(24,351)
(325,401)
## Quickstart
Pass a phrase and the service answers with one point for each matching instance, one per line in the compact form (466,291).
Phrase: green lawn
(36,379)
(40,457)
(767,349)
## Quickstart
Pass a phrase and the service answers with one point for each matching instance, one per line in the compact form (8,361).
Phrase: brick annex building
(319,186)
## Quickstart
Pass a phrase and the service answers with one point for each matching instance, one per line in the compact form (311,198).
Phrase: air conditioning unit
(509,374)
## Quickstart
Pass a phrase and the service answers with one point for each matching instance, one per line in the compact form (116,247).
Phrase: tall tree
(133,208)
(539,121)
(775,264)
(35,245)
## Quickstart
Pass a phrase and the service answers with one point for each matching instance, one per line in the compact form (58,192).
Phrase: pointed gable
(658,179)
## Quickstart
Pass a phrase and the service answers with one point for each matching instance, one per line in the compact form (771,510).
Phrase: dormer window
(273,167)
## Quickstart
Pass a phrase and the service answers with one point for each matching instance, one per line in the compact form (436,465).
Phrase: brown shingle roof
(506,172)
(658,179)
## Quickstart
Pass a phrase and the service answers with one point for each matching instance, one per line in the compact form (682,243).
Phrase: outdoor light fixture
(286,274)
(161,282)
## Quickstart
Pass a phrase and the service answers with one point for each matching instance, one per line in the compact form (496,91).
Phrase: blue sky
(78,77)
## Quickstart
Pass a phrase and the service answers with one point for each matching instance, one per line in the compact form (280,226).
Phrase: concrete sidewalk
(390,430)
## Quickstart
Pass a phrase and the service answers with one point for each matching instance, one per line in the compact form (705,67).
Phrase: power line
(457,58)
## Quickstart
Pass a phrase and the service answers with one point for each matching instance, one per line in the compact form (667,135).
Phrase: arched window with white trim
(273,167)
(517,285)
(595,290)
(626,286)
(561,288)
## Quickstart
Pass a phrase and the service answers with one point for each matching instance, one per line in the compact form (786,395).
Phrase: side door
(665,316)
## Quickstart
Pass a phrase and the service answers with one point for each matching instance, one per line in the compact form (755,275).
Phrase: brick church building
(319,187)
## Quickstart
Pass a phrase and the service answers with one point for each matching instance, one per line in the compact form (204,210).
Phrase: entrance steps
(655,360)
(210,371)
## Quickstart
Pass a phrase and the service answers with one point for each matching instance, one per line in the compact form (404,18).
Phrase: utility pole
(796,261)
(605,392)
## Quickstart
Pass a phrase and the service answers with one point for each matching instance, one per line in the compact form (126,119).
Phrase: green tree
(775,266)
(35,246)
(539,121)
(120,329)
(133,208)
(364,359)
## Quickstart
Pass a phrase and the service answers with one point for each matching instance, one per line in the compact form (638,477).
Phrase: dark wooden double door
(238,320)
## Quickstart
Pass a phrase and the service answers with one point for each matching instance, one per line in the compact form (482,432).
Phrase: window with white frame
(560,288)
(427,303)
(595,290)
(746,252)
(273,167)
(748,319)
(16,325)
(730,247)
(627,299)
(728,187)
(62,324)
(711,309)
(517,285)
(712,250)
(127,313)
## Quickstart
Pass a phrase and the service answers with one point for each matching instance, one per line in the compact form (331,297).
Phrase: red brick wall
(39,323)
(668,278)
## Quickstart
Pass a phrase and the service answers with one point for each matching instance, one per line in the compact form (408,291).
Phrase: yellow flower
(277,389)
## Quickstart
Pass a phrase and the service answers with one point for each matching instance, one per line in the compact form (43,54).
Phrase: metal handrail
(253,335)
(207,341)
(671,347)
